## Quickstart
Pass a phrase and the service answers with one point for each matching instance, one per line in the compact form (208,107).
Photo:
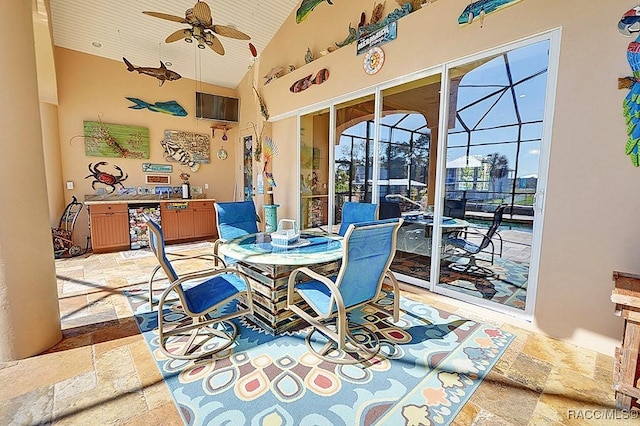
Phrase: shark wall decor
(162,73)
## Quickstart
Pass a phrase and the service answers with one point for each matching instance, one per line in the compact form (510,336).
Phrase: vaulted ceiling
(117,28)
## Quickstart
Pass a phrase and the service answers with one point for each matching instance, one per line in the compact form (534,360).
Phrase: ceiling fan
(202,28)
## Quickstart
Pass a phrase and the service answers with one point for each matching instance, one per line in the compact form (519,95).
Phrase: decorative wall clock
(373,60)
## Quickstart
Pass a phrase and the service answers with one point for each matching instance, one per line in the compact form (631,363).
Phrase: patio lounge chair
(471,249)
(206,298)
(369,248)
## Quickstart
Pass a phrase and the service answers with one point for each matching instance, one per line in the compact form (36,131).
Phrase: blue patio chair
(357,212)
(369,248)
(156,243)
(471,249)
(206,299)
(235,219)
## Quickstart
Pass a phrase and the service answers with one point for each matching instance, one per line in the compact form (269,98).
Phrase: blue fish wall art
(306,7)
(481,8)
(169,107)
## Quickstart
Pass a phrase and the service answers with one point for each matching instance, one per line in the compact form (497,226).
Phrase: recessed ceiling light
(167,63)
(96,44)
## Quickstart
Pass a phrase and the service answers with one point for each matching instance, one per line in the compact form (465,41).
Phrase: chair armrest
(497,234)
(335,292)
(198,276)
(216,246)
(473,231)
(207,256)
(208,273)
(180,257)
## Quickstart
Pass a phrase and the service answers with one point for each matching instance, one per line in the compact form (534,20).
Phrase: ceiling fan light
(201,46)
(188,40)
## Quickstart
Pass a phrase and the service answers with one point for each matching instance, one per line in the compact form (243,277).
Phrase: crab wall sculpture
(105,178)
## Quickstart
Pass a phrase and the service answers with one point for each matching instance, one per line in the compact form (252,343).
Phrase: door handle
(538,200)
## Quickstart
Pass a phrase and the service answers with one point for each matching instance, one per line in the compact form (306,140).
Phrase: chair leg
(353,350)
(472,268)
(349,350)
(201,338)
(205,335)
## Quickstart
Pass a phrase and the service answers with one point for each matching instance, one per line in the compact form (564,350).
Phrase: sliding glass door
(491,175)
(353,153)
(465,170)
(408,132)
(314,171)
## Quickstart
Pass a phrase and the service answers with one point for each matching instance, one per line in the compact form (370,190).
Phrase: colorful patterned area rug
(433,361)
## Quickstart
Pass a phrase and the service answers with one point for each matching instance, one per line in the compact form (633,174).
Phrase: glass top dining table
(448,223)
(311,248)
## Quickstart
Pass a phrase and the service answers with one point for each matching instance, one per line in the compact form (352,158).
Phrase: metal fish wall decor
(169,107)
(304,83)
(482,8)
(306,7)
(162,73)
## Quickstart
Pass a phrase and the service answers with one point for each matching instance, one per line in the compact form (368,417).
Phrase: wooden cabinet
(204,219)
(195,220)
(109,227)
(177,224)
(181,221)
(626,367)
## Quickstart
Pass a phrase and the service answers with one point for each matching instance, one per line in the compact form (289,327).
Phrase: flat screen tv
(216,107)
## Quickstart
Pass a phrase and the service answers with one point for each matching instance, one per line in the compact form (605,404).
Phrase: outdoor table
(449,224)
(415,235)
(268,268)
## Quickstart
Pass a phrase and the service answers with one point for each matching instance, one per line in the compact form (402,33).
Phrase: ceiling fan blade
(202,12)
(230,32)
(166,16)
(178,35)
(215,45)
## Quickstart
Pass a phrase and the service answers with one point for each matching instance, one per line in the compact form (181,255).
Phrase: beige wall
(92,88)
(53,161)
(252,124)
(591,208)
(29,312)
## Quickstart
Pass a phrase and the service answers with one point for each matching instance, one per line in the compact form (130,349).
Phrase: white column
(29,312)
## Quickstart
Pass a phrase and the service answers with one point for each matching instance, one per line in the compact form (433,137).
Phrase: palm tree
(498,170)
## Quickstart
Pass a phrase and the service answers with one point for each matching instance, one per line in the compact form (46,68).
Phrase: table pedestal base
(269,284)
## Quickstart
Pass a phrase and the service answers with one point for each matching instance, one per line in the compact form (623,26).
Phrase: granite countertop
(137,199)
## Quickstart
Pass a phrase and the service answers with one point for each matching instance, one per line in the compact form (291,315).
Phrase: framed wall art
(157,179)
(186,148)
(115,140)
(247,143)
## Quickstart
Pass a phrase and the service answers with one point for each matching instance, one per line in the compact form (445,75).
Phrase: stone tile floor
(102,373)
